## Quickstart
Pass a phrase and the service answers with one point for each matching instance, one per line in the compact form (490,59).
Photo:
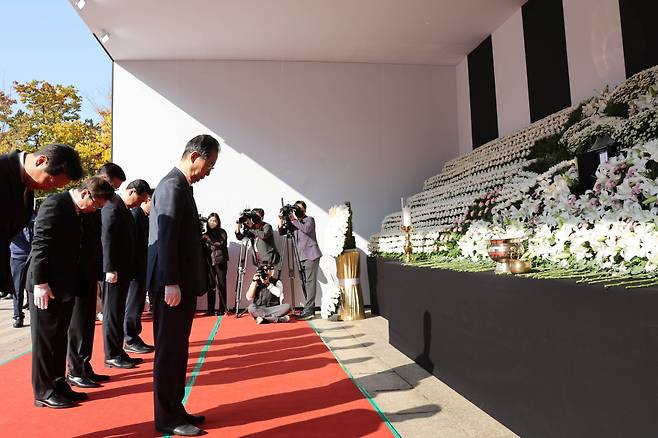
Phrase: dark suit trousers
(18,275)
(134,308)
(49,332)
(114,312)
(311,271)
(171,329)
(219,272)
(81,333)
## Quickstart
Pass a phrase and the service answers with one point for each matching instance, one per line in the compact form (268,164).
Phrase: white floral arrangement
(336,230)
(330,290)
(584,133)
(335,235)
(611,227)
(635,86)
(639,128)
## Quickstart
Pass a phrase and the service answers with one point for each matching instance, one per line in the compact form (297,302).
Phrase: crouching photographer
(250,224)
(266,294)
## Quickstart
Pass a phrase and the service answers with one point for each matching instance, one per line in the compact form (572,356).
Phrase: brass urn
(503,251)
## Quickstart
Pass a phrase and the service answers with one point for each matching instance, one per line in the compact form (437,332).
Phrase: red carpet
(270,380)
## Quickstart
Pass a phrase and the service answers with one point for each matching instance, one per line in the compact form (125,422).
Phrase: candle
(402,203)
(406,216)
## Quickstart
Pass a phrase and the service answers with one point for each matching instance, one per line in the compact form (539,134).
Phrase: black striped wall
(546,57)
(482,84)
(639,29)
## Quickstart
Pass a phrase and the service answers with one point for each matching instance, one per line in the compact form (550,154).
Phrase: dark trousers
(18,276)
(219,272)
(134,307)
(269,314)
(171,329)
(49,332)
(114,312)
(81,333)
(311,271)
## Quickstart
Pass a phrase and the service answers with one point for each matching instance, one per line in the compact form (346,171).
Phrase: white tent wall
(321,132)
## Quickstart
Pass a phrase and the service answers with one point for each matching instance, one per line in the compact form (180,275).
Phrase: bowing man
(176,275)
(90,273)
(119,263)
(51,285)
(21,173)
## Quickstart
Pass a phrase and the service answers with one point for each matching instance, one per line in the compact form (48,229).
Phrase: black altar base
(547,358)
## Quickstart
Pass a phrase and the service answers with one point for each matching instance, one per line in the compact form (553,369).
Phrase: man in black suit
(118,241)
(51,285)
(21,173)
(137,290)
(176,275)
(90,274)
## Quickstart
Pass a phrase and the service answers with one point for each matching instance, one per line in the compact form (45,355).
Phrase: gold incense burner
(507,253)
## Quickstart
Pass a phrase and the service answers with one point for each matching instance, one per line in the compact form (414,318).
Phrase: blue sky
(47,40)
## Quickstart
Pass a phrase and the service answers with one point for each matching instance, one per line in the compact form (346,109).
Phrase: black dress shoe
(183,430)
(64,389)
(98,377)
(4,294)
(18,323)
(82,382)
(119,362)
(209,313)
(139,348)
(55,401)
(134,360)
(195,419)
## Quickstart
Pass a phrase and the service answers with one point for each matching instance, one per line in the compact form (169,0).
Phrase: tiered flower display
(511,188)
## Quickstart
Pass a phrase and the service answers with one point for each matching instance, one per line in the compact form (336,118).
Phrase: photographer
(266,294)
(215,239)
(262,236)
(303,228)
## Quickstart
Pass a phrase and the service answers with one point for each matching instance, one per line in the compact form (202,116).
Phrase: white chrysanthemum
(336,230)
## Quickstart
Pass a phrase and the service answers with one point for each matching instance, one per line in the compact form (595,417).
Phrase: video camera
(289,209)
(286,211)
(248,214)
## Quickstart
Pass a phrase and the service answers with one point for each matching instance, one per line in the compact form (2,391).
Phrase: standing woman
(215,237)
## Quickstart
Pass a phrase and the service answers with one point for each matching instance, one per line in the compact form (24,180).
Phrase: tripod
(244,249)
(291,255)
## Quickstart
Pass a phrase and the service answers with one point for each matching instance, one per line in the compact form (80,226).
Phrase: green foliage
(548,152)
(616,109)
(575,117)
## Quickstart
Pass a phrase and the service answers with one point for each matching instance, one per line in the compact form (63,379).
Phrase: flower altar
(341,265)
(526,186)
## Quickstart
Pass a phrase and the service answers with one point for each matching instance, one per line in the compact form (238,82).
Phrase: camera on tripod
(248,214)
(286,212)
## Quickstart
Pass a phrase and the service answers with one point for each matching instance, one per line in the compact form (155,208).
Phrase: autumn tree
(51,114)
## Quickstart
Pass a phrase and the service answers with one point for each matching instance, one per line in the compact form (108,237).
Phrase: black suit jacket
(118,239)
(141,242)
(90,265)
(56,247)
(175,253)
(16,207)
